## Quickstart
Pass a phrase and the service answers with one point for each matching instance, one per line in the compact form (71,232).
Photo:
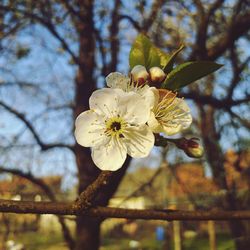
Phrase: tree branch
(213,101)
(135,24)
(151,180)
(28,176)
(156,6)
(64,208)
(214,6)
(102,49)
(238,28)
(86,197)
(46,189)
(44,146)
(237,71)
(200,50)
(74,13)
(80,207)
(142,187)
(243,121)
(45,23)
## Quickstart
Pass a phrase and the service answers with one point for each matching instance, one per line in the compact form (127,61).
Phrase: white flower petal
(176,128)
(117,80)
(110,156)
(181,118)
(89,129)
(133,108)
(150,95)
(156,97)
(139,141)
(182,104)
(104,101)
(154,125)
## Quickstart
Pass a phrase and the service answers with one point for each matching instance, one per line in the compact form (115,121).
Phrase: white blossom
(120,81)
(170,114)
(115,126)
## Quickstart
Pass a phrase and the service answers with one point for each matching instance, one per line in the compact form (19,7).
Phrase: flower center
(115,126)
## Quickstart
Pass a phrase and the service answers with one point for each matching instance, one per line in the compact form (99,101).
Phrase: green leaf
(153,59)
(170,63)
(144,53)
(187,73)
(164,58)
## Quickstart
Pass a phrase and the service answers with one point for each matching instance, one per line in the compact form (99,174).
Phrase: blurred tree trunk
(6,225)
(215,158)
(88,229)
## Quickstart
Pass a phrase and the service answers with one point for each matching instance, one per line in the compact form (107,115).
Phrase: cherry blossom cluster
(124,117)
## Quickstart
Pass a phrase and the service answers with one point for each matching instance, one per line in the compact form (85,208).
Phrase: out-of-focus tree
(217,30)
(92,37)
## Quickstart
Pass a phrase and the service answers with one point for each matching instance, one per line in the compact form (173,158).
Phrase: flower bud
(157,74)
(195,152)
(191,147)
(139,74)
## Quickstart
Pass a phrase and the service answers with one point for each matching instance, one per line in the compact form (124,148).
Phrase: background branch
(44,146)
(213,101)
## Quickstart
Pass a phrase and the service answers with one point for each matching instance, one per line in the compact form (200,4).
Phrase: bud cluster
(140,74)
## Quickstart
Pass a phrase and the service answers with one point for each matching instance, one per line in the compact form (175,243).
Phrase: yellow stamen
(115,126)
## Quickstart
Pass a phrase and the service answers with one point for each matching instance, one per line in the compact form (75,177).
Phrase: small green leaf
(144,53)
(153,59)
(170,63)
(164,58)
(187,73)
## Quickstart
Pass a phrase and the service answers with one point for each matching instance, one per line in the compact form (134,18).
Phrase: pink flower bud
(139,74)
(191,147)
(157,74)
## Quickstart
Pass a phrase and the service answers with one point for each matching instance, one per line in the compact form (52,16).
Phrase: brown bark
(114,40)
(87,233)
(68,208)
(88,229)
(216,159)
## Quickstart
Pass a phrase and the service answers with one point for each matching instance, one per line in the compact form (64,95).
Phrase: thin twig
(29,125)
